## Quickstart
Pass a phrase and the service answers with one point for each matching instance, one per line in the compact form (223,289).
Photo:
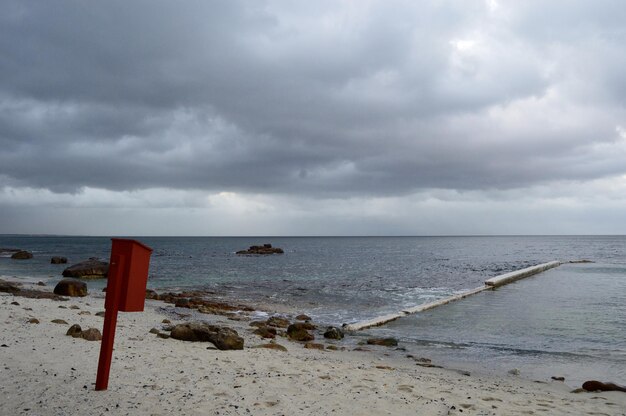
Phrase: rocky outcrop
(261,250)
(385,342)
(332,332)
(222,337)
(71,287)
(22,255)
(89,269)
(58,260)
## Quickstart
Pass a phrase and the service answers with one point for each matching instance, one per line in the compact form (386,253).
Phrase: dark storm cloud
(363,98)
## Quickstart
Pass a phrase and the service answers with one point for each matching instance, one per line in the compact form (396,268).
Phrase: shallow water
(570,315)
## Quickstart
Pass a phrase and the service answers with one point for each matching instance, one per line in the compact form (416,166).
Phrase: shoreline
(47,372)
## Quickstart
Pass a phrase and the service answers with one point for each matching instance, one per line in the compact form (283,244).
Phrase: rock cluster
(71,287)
(90,334)
(58,260)
(261,250)
(223,338)
(197,300)
(88,269)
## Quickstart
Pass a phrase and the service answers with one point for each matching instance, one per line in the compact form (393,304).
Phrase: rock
(222,337)
(58,260)
(297,333)
(385,342)
(271,346)
(313,346)
(9,287)
(261,250)
(71,287)
(277,322)
(22,255)
(183,303)
(332,332)
(162,335)
(91,334)
(594,385)
(154,331)
(15,303)
(89,269)
(84,313)
(558,378)
(74,331)
(332,348)
(101,314)
(166,321)
(265,332)
(59,321)
(514,372)
(303,317)
(40,283)
(33,321)
(307,326)
(151,294)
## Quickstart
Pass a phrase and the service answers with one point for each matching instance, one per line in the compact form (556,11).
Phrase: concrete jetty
(490,284)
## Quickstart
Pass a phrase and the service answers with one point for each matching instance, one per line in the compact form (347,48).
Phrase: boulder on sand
(222,337)
(89,269)
(71,287)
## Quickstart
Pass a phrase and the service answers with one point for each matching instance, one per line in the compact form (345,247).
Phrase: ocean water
(569,321)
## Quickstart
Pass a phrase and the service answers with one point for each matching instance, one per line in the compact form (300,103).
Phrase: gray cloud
(329,99)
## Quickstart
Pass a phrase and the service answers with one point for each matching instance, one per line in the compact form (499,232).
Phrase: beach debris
(314,346)
(514,372)
(272,346)
(59,321)
(223,338)
(22,255)
(303,317)
(88,269)
(385,342)
(71,287)
(299,332)
(58,260)
(332,332)
(261,250)
(594,385)
(33,321)
(91,334)
(278,322)
(74,331)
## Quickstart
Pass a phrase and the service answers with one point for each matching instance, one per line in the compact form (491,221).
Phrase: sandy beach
(45,372)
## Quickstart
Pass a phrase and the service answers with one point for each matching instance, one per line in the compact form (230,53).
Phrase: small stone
(74,331)
(271,346)
(386,342)
(84,313)
(303,317)
(71,287)
(101,314)
(558,378)
(33,321)
(162,335)
(332,332)
(15,303)
(314,346)
(74,307)
(166,321)
(58,260)
(91,334)
(154,331)
(59,321)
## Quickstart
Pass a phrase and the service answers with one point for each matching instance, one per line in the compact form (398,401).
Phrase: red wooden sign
(126,292)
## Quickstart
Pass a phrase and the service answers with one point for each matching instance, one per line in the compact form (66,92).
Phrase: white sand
(45,372)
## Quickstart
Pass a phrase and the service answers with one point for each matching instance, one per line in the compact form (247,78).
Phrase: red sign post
(126,292)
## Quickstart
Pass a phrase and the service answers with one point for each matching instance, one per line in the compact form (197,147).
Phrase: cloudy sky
(358,117)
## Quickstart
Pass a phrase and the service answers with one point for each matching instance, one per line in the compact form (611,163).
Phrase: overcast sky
(313,118)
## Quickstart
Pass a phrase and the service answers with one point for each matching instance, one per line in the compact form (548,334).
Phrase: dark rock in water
(59,321)
(91,334)
(303,317)
(262,250)
(74,331)
(22,255)
(278,322)
(58,260)
(298,333)
(332,332)
(89,269)
(40,283)
(594,385)
(222,337)
(9,287)
(265,332)
(385,342)
(71,287)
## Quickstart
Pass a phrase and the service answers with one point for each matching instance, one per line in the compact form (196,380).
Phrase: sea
(566,322)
